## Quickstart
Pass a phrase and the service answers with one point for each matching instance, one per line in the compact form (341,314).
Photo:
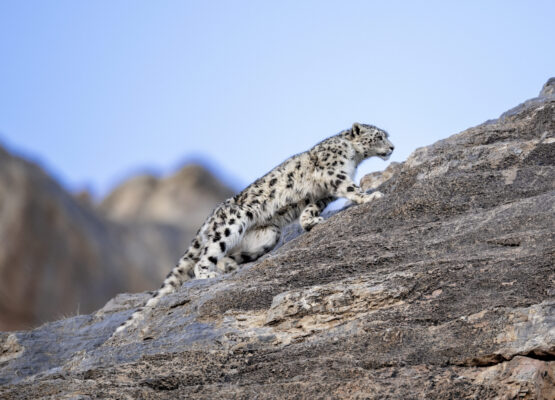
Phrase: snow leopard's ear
(355,130)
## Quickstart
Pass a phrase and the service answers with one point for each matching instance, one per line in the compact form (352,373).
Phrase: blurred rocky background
(62,255)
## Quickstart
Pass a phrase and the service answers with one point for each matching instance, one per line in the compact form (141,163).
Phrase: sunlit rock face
(444,288)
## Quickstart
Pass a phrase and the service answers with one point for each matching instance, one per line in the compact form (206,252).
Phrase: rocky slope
(60,256)
(443,289)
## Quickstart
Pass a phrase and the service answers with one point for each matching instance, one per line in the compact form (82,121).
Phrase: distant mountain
(183,199)
(60,256)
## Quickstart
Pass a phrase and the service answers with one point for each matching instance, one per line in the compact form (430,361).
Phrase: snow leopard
(248,225)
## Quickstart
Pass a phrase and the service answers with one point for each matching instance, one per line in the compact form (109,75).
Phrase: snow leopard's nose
(391,147)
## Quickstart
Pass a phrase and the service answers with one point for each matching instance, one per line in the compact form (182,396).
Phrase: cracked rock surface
(443,289)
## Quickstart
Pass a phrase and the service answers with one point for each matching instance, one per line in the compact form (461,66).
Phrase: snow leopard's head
(369,141)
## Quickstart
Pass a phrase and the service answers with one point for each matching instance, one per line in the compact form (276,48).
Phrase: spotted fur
(248,225)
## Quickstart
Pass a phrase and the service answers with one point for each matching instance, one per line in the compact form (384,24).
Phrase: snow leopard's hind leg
(256,242)
(221,232)
(226,265)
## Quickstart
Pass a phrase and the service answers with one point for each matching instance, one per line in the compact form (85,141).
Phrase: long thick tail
(182,272)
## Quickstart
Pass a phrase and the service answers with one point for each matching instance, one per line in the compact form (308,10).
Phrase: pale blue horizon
(97,90)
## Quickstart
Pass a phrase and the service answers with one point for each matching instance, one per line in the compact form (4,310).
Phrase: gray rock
(548,90)
(442,289)
(546,94)
(374,180)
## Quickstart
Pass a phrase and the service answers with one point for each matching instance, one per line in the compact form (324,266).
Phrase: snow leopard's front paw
(310,223)
(372,196)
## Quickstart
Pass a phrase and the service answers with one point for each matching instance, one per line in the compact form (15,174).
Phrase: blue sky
(98,90)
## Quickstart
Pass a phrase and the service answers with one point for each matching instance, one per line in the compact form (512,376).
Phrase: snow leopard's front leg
(310,216)
(343,186)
